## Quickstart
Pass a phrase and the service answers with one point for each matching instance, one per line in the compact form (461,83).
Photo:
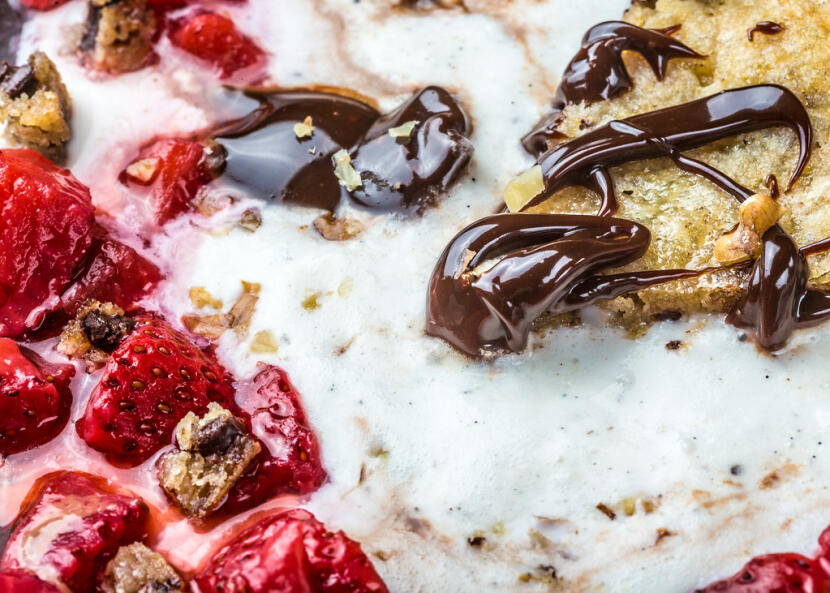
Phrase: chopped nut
(210,327)
(264,342)
(663,533)
(237,318)
(404,130)
(524,188)
(211,453)
(250,220)
(605,510)
(311,302)
(345,173)
(36,106)
(756,216)
(240,315)
(200,297)
(143,171)
(95,332)
(137,569)
(333,228)
(304,129)
(118,35)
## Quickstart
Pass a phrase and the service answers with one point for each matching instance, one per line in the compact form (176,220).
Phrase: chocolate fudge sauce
(597,72)
(765,27)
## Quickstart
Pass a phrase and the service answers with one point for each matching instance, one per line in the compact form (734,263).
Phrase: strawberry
(46,221)
(775,573)
(152,380)
(290,457)
(287,553)
(34,398)
(19,581)
(114,273)
(175,170)
(214,38)
(72,528)
(42,4)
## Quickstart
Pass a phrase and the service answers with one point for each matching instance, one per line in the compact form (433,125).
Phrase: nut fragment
(250,220)
(211,453)
(237,318)
(304,129)
(344,171)
(95,332)
(200,297)
(524,188)
(264,342)
(334,228)
(404,130)
(137,569)
(756,215)
(240,315)
(143,171)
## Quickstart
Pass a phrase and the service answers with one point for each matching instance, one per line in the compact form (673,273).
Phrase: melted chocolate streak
(551,261)
(11,22)
(765,27)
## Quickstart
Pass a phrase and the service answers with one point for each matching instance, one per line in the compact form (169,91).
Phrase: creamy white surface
(588,417)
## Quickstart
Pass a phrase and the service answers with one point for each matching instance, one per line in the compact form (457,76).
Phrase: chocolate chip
(18,80)
(218,436)
(106,331)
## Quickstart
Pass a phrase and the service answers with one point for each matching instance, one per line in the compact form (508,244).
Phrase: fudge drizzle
(551,262)
(765,27)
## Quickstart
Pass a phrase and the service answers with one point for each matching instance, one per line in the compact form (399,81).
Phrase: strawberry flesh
(267,558)
(152,380)
(72,528)
(46,222)
(115,273)
(775,573)
(180,171)
(214,38)
(34,398)
(19,581)
(290,458)
(42,4)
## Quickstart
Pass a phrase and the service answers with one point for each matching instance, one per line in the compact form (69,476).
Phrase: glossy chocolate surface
(408,174)
(597,72)
(265,156)
(765,27)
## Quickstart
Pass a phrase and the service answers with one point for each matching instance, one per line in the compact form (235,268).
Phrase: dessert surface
(592,460)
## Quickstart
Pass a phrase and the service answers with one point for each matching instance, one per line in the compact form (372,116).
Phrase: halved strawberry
(46,221)
(20,581)
(115,273)
(214,38)
(154,377)
(72,528)
(42,4)
(775,573)
(34,398)
(174,169)
(290,458)
(290,552)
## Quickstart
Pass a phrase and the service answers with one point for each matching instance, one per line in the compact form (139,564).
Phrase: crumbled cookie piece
(211,454)
(137,569)
(118,35)
(35,106)
(337,228)
(95,332)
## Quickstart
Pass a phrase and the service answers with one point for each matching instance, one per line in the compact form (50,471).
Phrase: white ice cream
(520,451)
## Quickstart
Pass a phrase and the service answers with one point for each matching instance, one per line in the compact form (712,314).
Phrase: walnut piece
(36,106)
(118,35)
(211,454)
(137,569)
(756,215)
(95,332)
(345,172)
(334,228)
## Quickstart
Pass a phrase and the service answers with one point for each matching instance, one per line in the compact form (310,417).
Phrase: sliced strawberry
(266,558)
(214,38)
(42,4)
(154,377)
(290,458)
(775,573)
(34,398)
(46,221)
(115,273)
(72,528)
(20,581)
(174,169)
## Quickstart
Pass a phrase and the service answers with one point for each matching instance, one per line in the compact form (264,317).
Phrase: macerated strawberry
(267,558)
(775,573)
(34,398)
(42,4)
(174,169)
(20,581)
(115,273)
(46,222)
(290,457)
(72,528)
(152,380)
(214,38)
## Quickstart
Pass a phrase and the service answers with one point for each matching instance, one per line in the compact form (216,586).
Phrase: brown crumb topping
(210,455)
(95,332)
(35,106)
(118,35)
(137,569)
